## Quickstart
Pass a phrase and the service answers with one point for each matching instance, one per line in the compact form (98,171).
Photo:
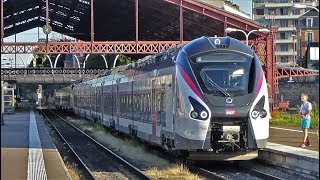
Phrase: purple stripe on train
(190,82)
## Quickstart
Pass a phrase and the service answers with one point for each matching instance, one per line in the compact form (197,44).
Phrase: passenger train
(207,99)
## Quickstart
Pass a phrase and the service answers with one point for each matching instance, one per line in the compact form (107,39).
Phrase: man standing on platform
(305,111)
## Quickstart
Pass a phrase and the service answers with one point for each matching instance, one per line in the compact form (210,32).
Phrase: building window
(295,11)
(272,1)
(295,23)
(259,1)
(284,59)
(284,47)
(260,11)
(309,22)
(296,0)
(284,11)
(309,37)
(284,35)
(284,1)
(307,0)
(272,11)
(283,23)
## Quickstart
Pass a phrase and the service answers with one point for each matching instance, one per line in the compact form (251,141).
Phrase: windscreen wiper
(213,84)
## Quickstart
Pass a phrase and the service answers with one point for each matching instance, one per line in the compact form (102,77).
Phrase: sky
(31,35)
(244,5)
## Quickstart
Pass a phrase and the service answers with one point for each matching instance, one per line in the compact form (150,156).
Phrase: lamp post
(264,30)
(293,49)
(302,6)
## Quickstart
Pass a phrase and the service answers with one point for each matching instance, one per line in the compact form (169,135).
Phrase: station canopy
(114,20)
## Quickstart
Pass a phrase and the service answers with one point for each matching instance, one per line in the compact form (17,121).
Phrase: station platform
(283,149)
(27,150)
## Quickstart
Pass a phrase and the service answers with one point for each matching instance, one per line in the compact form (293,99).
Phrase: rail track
(237,170)
(99,161)
(233,170)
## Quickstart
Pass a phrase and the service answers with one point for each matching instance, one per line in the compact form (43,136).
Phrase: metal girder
(286,72)
(48,70)
(214,13)
(109,47)
(49,75)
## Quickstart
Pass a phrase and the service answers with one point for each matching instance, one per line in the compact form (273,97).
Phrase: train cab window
(222,74)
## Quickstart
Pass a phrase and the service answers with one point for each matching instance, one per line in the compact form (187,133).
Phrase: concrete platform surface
(293,137)
(27,151)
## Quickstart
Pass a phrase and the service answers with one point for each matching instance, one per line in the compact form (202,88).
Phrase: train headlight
(194,114)
(254,114)
(263,113)
(204,115)
(198,112)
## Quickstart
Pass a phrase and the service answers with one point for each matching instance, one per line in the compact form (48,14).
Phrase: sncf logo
(230,112)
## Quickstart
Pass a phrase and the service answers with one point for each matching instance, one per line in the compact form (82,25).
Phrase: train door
(117,103)
(131,104)
(71,101)
(153,111)
(95,102)
(102,100)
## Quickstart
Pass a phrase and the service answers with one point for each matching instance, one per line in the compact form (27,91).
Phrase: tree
(95,61)
(124,60)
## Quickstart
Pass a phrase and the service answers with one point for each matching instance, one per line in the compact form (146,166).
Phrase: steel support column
(92,22)
(47,22)
(270,68)
(137,20)
(181,22)
(225,26)
(15,54)
(2,22)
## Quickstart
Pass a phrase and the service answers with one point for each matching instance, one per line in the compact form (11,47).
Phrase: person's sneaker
(303,145)
(308,143)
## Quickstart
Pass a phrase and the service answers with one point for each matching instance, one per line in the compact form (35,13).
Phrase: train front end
(222,100)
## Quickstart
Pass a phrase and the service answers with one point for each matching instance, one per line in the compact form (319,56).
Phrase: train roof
(206,44)
(166,57)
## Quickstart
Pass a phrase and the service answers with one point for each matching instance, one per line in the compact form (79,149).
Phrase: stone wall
(291,92)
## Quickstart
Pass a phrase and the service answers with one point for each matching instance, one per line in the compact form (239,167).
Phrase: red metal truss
(108,47)
(285,72)
(216,14)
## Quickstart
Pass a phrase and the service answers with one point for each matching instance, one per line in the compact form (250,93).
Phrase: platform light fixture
(262,30)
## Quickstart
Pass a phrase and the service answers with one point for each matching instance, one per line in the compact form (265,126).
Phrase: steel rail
(69,146)
(208,174)
(134,169)
(261,174)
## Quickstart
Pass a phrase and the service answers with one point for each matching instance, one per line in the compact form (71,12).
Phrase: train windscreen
(222,74)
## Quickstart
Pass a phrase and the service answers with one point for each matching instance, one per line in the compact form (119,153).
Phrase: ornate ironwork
(286,72)
(110,47)
(32,71)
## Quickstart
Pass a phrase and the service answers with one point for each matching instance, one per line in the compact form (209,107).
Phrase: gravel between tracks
(129,149)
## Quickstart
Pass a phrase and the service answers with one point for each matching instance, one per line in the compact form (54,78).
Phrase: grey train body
(208,98)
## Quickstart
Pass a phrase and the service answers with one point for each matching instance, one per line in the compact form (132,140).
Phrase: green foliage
(95,61)
(284,118)
(124,60)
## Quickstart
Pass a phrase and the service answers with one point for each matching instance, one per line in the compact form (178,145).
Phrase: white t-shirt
(304,107)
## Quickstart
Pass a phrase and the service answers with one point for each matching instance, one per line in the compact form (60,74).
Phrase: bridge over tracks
(48,75)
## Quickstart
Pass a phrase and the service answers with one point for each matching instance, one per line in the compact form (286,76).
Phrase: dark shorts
(305,123)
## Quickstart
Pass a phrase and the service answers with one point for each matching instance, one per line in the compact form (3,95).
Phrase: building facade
(281,15)
(308,35)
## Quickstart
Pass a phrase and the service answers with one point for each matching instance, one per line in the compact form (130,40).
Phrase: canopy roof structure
(114,20)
